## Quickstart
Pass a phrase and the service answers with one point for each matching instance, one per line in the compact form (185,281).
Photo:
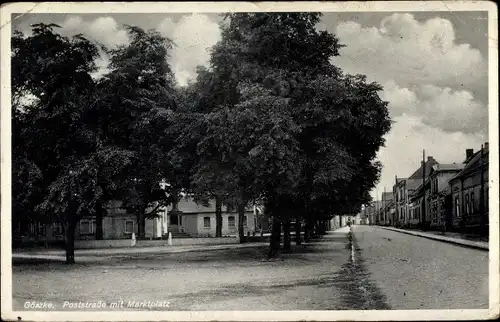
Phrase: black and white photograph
(250,161)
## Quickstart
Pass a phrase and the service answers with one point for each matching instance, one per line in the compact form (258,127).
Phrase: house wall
(194,224)
(113,227)
(470,191)
(444,178)
(190,223)
(471,194)
(335,222)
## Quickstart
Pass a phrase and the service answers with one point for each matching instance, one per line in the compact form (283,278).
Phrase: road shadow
(205,257)
(359,292)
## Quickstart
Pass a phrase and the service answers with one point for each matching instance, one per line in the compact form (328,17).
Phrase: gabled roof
(399,181)
(474,163)
(412,184)
(420,171)
(448,167)
(187,205)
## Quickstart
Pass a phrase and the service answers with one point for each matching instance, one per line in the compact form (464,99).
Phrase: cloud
(411,52)
(104,30)
(409,136)
(193,36)
(436,89)
(443,108)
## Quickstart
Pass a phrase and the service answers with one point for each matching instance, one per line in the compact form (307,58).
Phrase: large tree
(54,149)
(138,97)
(272,70)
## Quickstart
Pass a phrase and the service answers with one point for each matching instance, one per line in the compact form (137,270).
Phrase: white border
(211,7)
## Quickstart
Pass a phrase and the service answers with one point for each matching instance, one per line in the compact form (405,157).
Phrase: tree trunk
(99,214)
(322,227)
(218,217)
(274,245)
(241,215)
(298,238)
(307,231)
(287,243)
(141,225)
(70,242)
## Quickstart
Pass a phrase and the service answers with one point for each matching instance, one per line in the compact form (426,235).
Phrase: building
(195,219)
(363,216)
(387,210)
(338,221)
(418,205)
(469,192)
(119,223)
(404,191)
(190,219)
(439,210)
(371,211)
(398,191)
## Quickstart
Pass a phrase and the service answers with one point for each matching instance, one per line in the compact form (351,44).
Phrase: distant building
(387,210)
(371,211)
(418,205)
(405,190)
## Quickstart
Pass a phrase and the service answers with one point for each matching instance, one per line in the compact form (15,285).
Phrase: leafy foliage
(136,104)
(270,119)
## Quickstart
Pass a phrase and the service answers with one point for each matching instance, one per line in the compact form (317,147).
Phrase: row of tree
(270,119)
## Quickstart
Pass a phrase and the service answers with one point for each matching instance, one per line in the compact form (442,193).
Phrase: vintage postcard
(249,161)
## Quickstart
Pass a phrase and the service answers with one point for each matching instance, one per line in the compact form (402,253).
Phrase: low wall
(123,243)
(204,241)
(107,243)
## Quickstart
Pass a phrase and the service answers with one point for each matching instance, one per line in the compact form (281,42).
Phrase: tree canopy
(270,119)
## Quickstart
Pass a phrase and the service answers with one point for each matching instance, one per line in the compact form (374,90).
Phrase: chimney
(486,145)
(469,153)
(429,158)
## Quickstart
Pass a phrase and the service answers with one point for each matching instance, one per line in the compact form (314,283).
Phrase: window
(457,207)
(57,229)
(244,221)
(467,210)
(206,222)
(231,222)
(41,229)
(129,226)
(32,229)
(472,203)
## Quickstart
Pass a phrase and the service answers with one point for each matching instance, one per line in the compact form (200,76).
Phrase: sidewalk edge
(455,242)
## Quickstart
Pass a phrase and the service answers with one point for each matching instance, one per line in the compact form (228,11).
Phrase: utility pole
(385,205)
(423,187)
(377,209)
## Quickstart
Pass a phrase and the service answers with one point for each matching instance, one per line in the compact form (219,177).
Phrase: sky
(432,66)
